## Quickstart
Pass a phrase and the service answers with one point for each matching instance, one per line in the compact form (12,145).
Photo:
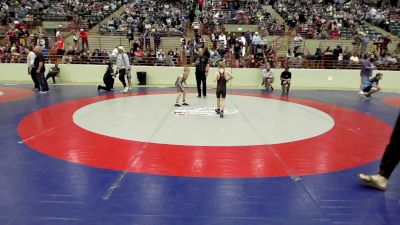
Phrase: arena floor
(76,156)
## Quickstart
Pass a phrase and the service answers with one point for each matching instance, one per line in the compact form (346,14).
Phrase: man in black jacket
(202,66)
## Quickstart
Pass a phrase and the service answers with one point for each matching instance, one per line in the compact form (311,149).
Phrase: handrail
(304,63)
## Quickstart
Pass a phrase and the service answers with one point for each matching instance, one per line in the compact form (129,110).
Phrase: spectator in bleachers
(59,46)
(160,57)
(41,41)
(84,35)
(297,41)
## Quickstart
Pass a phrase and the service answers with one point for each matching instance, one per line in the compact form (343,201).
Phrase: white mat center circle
(248,120)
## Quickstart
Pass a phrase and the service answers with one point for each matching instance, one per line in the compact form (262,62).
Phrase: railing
(303,63)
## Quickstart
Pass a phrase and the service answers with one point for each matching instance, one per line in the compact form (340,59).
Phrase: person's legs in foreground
(268,84)
(43,83)
(198,82)
(284,85)
(389,161)
(220,103)
(222,106)
(52,76)
(129,79)
(204,81)
(371,91)
(122,79)
(287,87)
(35,80)
(177,99)
(364,79)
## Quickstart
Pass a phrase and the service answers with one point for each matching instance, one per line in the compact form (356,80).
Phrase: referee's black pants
(201,78)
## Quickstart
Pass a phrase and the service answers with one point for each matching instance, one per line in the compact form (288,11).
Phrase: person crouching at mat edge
(268,78)
(123,68)
(108,79)
(180,80)
(372,85)
(286,77)
(221,77)
(53,72)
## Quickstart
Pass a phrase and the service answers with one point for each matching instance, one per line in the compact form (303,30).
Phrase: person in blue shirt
(372,85)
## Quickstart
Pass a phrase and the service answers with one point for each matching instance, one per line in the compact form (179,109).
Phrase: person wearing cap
(268,78)
(123,68)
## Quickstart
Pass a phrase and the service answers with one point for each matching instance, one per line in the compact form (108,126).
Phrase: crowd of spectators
(141,16)
(21,12)
(90,11)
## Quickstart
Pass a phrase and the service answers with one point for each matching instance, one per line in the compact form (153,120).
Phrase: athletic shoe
(43,92)
(221,114)
(185,104)
(361,93)
(217,111)
(36,89)
(376,181)
(199,96)
(177,105)
(125,90)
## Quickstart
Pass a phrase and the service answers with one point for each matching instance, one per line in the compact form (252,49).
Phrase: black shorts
(221,93)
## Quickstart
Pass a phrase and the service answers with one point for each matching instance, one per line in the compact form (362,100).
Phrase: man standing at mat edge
(40,69)
(389,161)
(123,68)
(30,60)
(202,66)
(367,68)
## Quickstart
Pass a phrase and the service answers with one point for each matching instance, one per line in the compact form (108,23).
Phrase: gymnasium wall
(244,77)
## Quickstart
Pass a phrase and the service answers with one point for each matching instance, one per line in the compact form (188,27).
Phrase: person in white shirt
(30,60)
(257,39)
(268,78)
(298,40)
(354,59)
(41,42)
(243,40)
(123,68)
(222,38)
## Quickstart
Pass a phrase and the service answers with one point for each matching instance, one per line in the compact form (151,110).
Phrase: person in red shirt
(85,39)
(335,35)
(201,4)
(60,45)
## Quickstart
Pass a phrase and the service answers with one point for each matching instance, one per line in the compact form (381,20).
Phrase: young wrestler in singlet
(180,80)
(221,77)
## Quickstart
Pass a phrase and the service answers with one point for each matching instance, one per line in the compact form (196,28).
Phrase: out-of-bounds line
(134,159)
